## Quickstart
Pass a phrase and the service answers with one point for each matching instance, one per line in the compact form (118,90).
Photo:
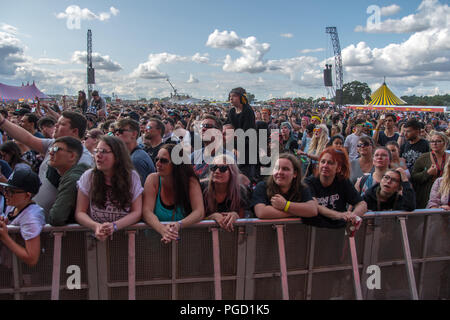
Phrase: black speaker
(327,77)
(91,76)
(339,97)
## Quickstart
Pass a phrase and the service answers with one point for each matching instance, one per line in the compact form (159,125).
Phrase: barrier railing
(394,255)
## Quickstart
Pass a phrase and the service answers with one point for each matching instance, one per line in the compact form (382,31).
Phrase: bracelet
(115,227)
(286,208)
(1,123)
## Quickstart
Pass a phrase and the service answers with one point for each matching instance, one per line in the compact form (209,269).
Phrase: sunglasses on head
(162,160)
(221,168)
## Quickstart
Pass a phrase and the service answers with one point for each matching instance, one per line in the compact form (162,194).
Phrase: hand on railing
(103,231)
(225,220)
(170,232)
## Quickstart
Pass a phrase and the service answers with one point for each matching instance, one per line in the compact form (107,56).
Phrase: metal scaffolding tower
(90,69)
(338,62)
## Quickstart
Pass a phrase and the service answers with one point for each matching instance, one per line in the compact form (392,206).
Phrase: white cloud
(430,14)
(224,40)
(287,35)
(390,10)
(150,68)
(252,52)
(312,50)
(99,62)
(192,79)
(200,58)
(8,29)
(11,53)
(74,12)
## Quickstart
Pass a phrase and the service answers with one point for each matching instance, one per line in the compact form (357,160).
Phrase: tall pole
(338,62)
(90,69)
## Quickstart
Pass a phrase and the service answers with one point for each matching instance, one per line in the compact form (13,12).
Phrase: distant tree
(250,97)
(356,92)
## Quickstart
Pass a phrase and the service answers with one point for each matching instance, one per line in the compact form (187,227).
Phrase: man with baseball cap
(21,186)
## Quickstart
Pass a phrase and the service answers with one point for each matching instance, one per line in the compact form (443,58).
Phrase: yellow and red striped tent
(384,96)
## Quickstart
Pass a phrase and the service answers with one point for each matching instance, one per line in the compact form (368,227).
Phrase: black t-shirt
(383,138)
(411,152)
(260,195)
(335,197)
(225,206)
(153,151)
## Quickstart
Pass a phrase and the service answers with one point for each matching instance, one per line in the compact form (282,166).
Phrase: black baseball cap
(23,178)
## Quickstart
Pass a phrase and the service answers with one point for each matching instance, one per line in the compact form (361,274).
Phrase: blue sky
(271,48)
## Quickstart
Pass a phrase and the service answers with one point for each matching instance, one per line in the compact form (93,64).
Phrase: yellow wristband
(286,208)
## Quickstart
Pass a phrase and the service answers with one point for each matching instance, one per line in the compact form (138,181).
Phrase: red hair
(340,156)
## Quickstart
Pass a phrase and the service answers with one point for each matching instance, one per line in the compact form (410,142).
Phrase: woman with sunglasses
(334,192)
(225,198)
(364,164)
(283,195)
(428,167)
(394,192)
(381,162)
(172,194)
(110,194)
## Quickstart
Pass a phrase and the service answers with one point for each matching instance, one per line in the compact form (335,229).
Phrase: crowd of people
(109,166)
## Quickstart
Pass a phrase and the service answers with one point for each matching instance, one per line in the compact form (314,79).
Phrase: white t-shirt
(110,213)
(351,143)
(31,221)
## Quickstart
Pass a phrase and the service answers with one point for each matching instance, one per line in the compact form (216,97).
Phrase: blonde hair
(445,183)
(440,134)
(319,143)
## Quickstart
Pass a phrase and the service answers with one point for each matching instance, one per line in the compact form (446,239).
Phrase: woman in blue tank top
(173,193)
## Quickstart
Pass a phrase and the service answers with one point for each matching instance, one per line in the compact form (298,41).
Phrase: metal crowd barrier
(261,259)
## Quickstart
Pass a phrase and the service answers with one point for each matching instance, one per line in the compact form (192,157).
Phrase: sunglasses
(362,145)
(214,167)
(162,160)
(208,126)
(55,149)
(102,151)
(121,131)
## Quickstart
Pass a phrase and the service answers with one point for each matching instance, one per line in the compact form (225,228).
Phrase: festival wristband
(286,208)
(115,227)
